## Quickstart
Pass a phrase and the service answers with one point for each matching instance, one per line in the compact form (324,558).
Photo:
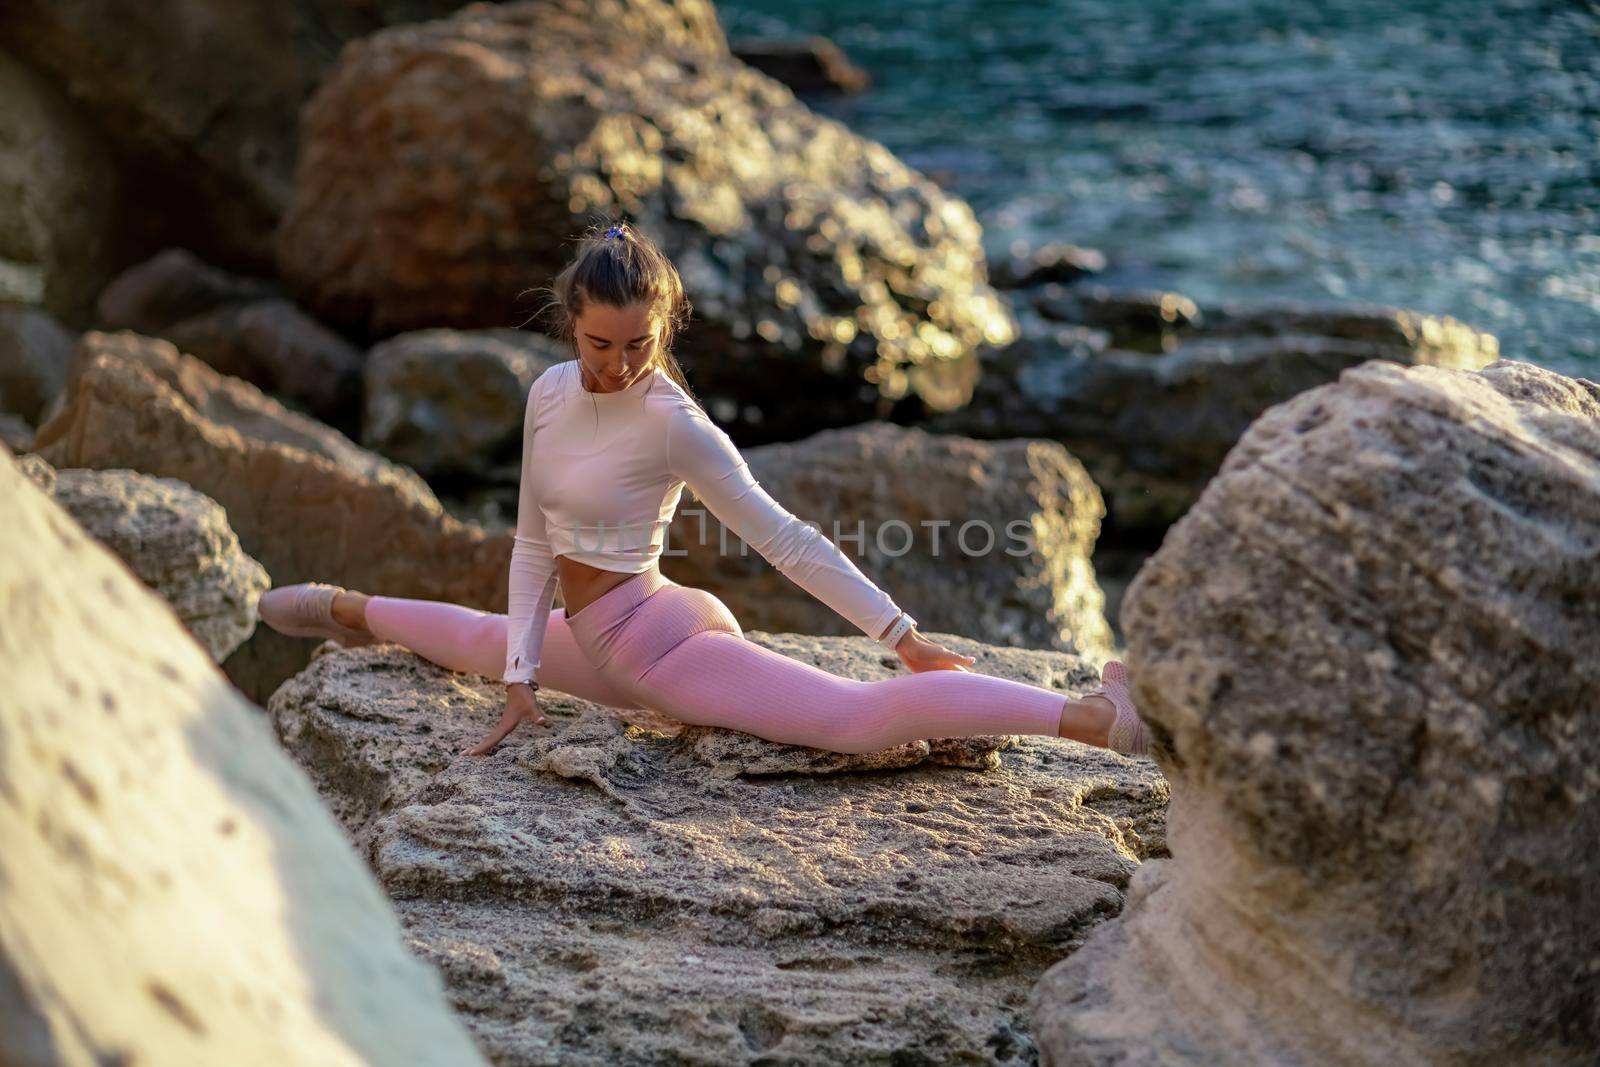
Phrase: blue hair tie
(615,231)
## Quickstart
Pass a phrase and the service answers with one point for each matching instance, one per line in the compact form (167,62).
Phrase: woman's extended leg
(463,639)
(715,678)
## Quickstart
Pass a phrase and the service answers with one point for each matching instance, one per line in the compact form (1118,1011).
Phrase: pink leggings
(652,643)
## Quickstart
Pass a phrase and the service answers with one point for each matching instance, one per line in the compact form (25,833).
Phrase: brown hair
(617,271)
(628,268)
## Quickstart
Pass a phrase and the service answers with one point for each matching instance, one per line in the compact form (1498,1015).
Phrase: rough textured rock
(170,286)
(613,893)
(200,103)
(305,501)
(273,344)
(1371,652)
(35,351)
(438,159)
(989,539)
(450,403)
(58,195)
(1153,429)
(174,892)
(178,542)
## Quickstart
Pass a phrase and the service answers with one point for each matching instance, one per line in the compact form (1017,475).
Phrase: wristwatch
(901,625)
(530,683)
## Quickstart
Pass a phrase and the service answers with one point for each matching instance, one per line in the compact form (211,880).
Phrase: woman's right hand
(522,704)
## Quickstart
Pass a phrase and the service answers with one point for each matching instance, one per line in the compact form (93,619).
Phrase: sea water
(1439,156)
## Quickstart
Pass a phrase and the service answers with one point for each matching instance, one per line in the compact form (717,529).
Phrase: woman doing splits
(610,440)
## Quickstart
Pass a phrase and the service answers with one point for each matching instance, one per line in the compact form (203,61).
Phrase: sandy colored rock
(631,892)
(174,892)
(438,160)
(986,538)
(1371,654)
(178,542)
(305,501)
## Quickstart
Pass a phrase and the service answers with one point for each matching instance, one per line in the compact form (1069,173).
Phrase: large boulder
(305,501)
(1153,427)
(199,103)
(242,326)
(1371,656)
(59,194)
(619,891)
(174,891)
(439,159)
(450,403)
(178,542)
(273,344)
(989,539)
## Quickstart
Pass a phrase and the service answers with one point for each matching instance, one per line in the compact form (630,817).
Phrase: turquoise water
(1439,156)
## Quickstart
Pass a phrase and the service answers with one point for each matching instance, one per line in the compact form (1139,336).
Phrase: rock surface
(273,344)
(1377,707)
(450,403)
(59,195)
(305,501)
(35,351)
(200,103)
(988,539)
(1152,429)
(614,892)
(174,892)
(178,542)
(438,159)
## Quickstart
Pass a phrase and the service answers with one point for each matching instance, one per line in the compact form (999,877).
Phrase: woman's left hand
(919,654)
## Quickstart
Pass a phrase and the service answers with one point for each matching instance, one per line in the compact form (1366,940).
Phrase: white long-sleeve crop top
(601,477)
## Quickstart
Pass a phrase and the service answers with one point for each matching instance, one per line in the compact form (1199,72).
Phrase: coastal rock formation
(175,540)
(1151,428)
(450,403)
(305,501)
(59,195)
(989,539)
(1370,655)
(174,891)
(437,160)
(200,106)
(625,891)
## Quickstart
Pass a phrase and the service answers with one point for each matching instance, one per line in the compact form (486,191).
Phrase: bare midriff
(582,585)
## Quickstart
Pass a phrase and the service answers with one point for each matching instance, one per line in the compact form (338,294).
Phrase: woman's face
(615,345)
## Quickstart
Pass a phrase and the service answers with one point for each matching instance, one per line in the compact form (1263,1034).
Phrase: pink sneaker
(1129,734)
(306,610)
